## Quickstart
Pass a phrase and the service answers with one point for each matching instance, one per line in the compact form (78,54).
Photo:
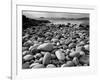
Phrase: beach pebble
(33,64)
(64,65)
(39,66)
(68,41)
(75,61)
(28,57)
(84,59)
(55,62)
(45,47)
(40,39)
(43,53)
(86,47)
(36,61)
(28,43)
(82,53)
(38,55)
(41,60)
(54,40)
(33,48)
(24,48)
(67,58)
(81,43)
(74,54)
(68,64)
(35,42)
(60,55)
(25,65)
(79,65)
(25,53)
(50,66)
(67,52)
(64,47)
(62,41)
(58,44)
(85,65)
(46,58)
(72,45)
(53,56)
(79,48)
(26,36)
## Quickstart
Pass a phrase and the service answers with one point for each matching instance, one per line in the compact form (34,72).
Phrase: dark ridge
(27,22)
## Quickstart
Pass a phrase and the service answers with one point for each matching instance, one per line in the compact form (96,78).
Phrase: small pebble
(28,57)
(39,66)
(46,58)
(32,65)
(25,65)
(74,54)
(84,59)
(60,55)
(51,66)
(75,61)
(68,64)
(86,47)
(45,47)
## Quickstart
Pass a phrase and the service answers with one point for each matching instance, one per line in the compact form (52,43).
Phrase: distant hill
(27,22)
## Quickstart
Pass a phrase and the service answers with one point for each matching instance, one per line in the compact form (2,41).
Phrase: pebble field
(46,45)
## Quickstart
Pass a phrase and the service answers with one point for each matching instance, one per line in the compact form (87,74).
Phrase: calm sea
(68,21)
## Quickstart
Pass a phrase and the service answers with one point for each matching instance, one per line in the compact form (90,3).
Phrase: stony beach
(46,45)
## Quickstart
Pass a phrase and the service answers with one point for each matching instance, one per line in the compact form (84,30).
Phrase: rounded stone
(74,54)
(45,47)
(46,58)
(68,64)
(72,45)
(82,53)
(53,56)
(75,61)
(54,40)
(33,64)
(25,53)
(84,59)
(38,55)
(60,55)
(39,66)
(25,65)
(50,66)
(86,47)
(67,58)
(28,57)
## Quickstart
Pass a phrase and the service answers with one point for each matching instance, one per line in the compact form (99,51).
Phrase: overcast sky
(33,14)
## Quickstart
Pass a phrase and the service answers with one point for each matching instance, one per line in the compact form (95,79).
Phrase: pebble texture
(54,45)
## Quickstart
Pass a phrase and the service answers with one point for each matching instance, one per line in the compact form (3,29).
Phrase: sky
(32,14)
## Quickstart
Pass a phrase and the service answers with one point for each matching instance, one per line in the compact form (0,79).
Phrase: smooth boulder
(33,64)
(60,55)
(46,58)
(75,61)
(68,64)
(45,47)
(28,57)
(50,66)
(39,66)
(74,54)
